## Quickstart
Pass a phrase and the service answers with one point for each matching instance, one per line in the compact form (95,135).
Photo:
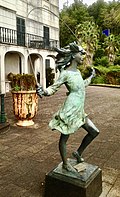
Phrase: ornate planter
(25,105)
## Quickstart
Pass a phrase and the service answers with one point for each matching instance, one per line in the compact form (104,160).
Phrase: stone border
(106,85)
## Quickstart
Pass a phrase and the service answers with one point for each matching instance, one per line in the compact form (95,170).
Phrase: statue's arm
(40,92)
(88,80)
(53,88)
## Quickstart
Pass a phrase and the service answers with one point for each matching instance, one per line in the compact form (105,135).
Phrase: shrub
(110,75)
(99,80)
(101,70)
(85,72)
(99,53)
(103,61)
(113,77)
(22,82)
(117,60)
(104,75)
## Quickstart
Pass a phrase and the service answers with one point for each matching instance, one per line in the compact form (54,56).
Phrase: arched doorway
(50,68)
(35,66)
(50,75)
(13,63)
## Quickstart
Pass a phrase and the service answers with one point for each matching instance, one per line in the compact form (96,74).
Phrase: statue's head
(67,54)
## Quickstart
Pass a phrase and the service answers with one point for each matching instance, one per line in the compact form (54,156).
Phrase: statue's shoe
(78,157)
(69,168)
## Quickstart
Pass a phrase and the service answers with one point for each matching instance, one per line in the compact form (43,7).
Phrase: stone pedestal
(86,182)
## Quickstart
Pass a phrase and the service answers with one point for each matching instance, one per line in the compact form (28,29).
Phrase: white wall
(37,17)
(11,63)
(10,4)
(9,10)
(7,18)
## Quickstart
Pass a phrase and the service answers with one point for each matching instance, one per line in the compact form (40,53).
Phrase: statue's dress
(71,115)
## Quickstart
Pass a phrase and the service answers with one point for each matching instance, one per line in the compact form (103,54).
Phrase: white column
(25,64)
(44,74)
(36,67)
(41,70)
(2,74)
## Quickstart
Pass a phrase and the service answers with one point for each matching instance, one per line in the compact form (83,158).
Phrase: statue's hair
(66,55)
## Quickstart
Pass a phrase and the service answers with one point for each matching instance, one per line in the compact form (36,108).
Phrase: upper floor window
(20,31)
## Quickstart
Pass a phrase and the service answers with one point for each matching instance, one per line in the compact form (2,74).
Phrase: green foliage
(110,75)
(87,33)
(16,88)
(70,17)
(87,24)
(66,36)
(117,14)
(101,70)
(111,46)
(112,17)
(22,82)
(106,15)
(104,75)
(99,53)
(117,60)
(113,77)
(103,61)
(96,9)
(99,80)
(104,70)
(85,71)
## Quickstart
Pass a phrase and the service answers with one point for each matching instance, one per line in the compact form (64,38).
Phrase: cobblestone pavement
(27,154)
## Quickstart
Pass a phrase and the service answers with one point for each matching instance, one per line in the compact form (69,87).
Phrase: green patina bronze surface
(71,116)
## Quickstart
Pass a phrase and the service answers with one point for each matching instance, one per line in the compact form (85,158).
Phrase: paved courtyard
(27,154)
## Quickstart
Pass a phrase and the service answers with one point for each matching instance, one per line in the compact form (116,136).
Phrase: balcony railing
(12,37)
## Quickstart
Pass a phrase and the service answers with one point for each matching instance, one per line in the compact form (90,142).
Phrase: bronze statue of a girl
(71,115)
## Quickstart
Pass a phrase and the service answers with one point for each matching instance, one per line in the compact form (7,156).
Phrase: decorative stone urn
(25,105)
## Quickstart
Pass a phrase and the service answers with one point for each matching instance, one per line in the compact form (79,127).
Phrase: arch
(50,69)
(14,61)
(35,66)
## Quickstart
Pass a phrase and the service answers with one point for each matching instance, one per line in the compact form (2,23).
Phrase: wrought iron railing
(12,37)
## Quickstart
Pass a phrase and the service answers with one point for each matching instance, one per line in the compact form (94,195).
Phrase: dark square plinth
(86,183)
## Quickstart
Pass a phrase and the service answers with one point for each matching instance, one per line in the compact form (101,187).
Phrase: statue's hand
(93,73)
(39,91)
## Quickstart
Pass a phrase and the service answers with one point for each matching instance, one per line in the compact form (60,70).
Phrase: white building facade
(29,31)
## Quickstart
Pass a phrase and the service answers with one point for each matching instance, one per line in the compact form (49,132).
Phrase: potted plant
(25,100)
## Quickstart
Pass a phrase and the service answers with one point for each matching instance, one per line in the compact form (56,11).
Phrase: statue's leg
(62,147)
(63,153)
(92,133)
